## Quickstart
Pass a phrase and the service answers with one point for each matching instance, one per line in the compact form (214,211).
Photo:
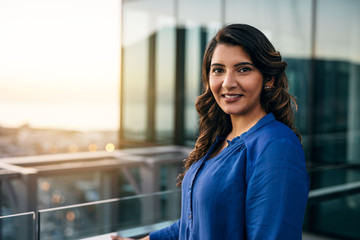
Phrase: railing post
(27,202)
(109,189)
(150,175)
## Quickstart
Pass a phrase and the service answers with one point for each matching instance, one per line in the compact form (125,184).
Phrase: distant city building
(25,141)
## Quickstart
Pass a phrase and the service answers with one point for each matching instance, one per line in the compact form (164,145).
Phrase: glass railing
(18,226)
(334,201)
(327,175)
(129,217)
(136,216)
(60,181)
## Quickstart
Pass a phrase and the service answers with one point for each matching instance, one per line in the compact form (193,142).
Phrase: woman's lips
(231,97)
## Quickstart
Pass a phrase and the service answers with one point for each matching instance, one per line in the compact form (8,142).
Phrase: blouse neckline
(262,122)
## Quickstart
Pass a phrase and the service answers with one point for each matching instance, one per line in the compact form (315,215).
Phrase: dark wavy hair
(276,100)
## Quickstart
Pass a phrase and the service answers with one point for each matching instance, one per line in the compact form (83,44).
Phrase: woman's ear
(269,83)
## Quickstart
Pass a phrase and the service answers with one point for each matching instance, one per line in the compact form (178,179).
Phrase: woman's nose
(229,81)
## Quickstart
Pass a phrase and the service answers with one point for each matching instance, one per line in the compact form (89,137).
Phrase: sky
(59,63)
(60,59)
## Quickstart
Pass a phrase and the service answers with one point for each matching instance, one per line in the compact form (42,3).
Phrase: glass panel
(193,57)
(331,110)
(134,70)
(68,189)
(17,226)
(333,175)
(148,69)
(337,217)
(337,213)
(131,216)
(165,77)
(338,81)
(286,23)
(71,189)
(189,10)
(338,31)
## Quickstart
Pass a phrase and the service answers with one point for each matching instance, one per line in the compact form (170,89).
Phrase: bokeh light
(70,216)
(110,147)
(93,147)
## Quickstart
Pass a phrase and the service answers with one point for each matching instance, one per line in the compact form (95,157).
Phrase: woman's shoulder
(277,130)
(272,130)
(273,133)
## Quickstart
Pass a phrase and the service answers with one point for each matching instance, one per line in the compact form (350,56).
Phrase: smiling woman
(59,54)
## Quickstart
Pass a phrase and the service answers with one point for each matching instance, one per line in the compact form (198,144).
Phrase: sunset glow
(59,63)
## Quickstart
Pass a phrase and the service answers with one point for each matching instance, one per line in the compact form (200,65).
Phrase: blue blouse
(256,188)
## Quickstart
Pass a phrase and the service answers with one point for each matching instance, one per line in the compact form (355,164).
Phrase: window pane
(148,69)
(337,81)
(286,23)
(165,78)
(338,30)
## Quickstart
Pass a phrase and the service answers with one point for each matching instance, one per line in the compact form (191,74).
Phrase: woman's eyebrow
(236,65)
(217,64)
(243,63)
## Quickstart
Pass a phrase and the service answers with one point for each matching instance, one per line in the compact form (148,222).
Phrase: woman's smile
(231,98)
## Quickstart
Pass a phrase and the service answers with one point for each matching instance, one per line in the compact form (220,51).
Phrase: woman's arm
(277,193)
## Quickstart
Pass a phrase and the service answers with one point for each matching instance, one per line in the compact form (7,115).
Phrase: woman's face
(235,82)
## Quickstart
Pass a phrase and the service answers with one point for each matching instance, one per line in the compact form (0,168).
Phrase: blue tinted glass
(18,226)
(131,216)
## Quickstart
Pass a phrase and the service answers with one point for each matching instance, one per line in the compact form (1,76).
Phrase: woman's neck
(242,123)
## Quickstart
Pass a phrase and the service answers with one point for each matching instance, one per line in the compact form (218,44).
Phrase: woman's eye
(244,69)
(217,70)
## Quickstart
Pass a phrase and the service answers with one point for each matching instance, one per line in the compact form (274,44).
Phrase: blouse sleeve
(277,192)
(168,233)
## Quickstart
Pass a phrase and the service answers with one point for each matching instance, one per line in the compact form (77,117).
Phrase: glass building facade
(162,46)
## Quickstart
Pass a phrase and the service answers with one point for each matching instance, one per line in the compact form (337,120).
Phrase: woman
(246,177)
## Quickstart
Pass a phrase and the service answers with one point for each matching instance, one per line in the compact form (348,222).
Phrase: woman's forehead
(229,54)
